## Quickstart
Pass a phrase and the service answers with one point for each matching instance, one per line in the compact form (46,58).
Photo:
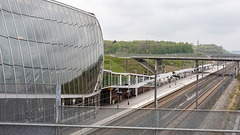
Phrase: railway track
(141,117)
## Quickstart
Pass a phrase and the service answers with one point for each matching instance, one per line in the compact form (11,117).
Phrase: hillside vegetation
(146,47)
(209,48)
(119,65)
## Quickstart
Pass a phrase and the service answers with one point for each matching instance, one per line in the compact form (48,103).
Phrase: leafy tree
(146,47)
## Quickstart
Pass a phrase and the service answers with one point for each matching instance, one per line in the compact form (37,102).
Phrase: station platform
(106,116)
(147,97)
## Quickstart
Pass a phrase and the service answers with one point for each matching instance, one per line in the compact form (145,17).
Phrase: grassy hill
(210,48)
(119,65)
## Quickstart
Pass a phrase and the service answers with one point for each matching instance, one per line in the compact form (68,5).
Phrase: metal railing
(131,121)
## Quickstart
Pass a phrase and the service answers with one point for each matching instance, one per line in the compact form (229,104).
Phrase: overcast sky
(209,21)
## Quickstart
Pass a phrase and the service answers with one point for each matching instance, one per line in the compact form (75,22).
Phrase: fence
(132,121)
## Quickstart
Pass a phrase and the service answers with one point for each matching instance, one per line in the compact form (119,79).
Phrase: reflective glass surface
(44,42)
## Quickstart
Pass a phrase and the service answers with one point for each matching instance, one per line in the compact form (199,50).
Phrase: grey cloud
(175,20)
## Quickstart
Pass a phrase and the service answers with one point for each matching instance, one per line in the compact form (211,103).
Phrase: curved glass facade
(48,43)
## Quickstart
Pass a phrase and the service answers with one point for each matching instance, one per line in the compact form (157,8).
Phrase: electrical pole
(155,90)
(202,74)
(127,66)
(197,94)
(109,64)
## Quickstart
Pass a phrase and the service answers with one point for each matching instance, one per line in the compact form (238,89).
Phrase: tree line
(146,47)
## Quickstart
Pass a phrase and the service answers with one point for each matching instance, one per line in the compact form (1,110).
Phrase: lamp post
(119,93)
(128,95)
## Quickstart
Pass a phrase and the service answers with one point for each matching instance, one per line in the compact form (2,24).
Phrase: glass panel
(75,60)
(4,5)
(9,79)
(38,76)
(42,55)
(25,53)
(59,76)
(49,56)
(67,36)
(56,12)
(65,79)
(56,56)
(44,31)
(72,36)
(19,26)
(46,79)
(13,5)
(80,61)
(29,75)
(71,56)
(70,76)
(77,17)
(4,46)
(75,33)
(62,56)
(2,27)
(44,10)
(62,14)
(50,31)
(1,74)
(55,28)
(50,10)
(22,7)
(16,52)
(37,8)
(53,76)
(72,16)
(19,74)
(69,65)
(28,28)
(9,76)
(61,33)
(81,19)
(67,15)
(30,7)
(29,80)
(10,24)
(37,30)
(34,54)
